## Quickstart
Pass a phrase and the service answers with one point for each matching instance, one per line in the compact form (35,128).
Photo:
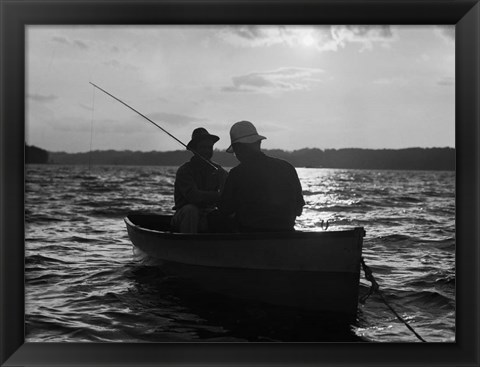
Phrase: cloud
(322,38)
(61,40)
(173,119)
(265,36)
(252,35)
(446,81)
(363,32)
(283,79)
(366,35)
(42,98)
(80,44)
(254,32)
(446,32)
(69,42)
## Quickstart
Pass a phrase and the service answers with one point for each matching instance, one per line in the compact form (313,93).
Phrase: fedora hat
(243,132)
(200,134)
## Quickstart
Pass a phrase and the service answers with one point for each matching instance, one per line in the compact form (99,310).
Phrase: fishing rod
(161,128)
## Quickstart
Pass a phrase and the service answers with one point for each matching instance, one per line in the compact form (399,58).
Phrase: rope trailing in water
(375,288)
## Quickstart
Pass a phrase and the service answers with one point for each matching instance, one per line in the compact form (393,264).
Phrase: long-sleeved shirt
(197,183)
(264,193)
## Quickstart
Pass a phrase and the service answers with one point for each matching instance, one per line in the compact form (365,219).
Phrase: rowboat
(313,271)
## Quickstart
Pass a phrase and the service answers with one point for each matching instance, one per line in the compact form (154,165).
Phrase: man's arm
(221,177)
(187,186)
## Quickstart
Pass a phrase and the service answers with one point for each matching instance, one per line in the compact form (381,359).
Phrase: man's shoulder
(184,168)
(185,165)
(280,162)
(235,170)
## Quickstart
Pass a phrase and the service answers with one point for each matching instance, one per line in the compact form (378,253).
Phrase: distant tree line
(35,155)
(401,159)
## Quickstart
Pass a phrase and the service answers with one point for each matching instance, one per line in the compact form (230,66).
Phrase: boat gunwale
(346,233)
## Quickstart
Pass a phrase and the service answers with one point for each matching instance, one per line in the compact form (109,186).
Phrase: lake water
(84,284)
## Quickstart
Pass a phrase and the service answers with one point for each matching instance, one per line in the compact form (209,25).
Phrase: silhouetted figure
(197,185)
(263,193)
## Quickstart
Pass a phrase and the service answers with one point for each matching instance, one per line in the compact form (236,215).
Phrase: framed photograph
(375,103)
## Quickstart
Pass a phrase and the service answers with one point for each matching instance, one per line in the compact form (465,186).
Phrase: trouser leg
(187,219)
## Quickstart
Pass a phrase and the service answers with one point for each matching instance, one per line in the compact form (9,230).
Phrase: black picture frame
(16,14)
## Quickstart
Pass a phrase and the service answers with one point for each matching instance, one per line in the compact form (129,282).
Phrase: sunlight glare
(307,39)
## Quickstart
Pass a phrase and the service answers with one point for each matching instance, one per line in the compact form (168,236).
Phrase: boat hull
(317,272)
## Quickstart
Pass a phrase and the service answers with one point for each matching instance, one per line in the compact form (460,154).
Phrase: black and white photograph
(240,183)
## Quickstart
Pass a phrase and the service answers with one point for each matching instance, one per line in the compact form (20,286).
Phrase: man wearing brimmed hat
(263,193)
(197,185)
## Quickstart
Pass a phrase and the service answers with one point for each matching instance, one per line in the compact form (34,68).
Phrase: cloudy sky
(302,86)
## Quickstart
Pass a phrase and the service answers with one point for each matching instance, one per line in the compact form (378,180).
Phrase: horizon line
(224,150)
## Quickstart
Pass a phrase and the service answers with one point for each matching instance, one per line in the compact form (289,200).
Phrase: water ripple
(84,284)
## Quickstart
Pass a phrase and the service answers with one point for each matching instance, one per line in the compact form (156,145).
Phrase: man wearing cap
(263,193)
(197,185)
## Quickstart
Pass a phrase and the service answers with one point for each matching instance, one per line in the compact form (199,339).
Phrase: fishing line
(91,132)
